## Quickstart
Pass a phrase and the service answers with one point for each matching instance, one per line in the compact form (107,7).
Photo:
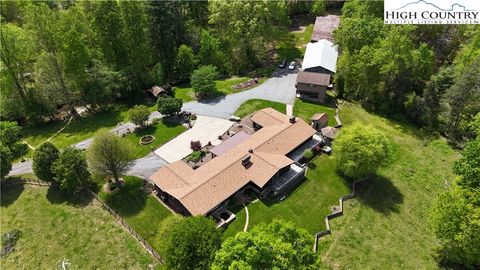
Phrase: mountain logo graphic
(435,6)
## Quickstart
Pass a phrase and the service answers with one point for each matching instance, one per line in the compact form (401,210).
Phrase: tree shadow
(9,194)
(127,200)
(380,194)
(78,199)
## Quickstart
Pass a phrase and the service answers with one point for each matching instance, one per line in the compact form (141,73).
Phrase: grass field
(386,226)
(143,213)
(53,229)
(163,132)
(307,205)
(224,86)
(305,110)
(254,105)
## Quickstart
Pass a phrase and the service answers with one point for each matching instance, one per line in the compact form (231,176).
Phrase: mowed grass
(386,226)
(307,205)
(292,45)
(254,105)
(163,132)
(224,87)
(305,110)
(143,214)
(53,229)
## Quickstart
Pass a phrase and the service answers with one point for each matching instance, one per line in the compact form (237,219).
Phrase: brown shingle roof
(313,78)
(318,116)
(156,90)
(324,26)
(203,189)
(329,132)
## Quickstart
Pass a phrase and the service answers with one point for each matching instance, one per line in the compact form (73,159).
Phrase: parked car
(292,65)
(283,64)
(234,118)
(327,149)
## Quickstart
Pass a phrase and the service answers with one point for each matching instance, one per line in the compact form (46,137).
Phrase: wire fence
(22,181)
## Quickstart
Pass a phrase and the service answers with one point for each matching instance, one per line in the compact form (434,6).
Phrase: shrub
(318,7)
(308,154)
(196,156)
(195,145)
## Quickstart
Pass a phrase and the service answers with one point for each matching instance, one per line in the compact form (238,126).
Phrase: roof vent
(246,160)
(250,150)
(292,119)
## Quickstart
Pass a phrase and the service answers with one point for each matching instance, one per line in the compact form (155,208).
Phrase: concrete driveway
(146,166)
(280,88)
(205,129)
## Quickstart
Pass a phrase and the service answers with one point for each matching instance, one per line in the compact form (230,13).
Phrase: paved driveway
(205,129)
(146,166)
(280,88)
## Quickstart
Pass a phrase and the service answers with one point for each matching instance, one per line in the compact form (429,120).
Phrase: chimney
(250,150)
(292,119)
(246,160)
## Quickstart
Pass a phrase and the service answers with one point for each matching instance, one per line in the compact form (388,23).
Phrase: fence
(335,214)
(21,181)
(126,226)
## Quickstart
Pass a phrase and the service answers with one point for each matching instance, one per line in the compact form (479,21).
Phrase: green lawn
(53,229)
(80,128)
(305,110)
(386,227)
(143,214)
(307,205)
(163,132)
(292,45)
(224,86)
(254,105)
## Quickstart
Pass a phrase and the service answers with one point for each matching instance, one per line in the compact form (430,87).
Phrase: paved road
(279,88)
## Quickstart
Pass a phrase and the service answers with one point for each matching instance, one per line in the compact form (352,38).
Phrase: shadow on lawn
(9,194)
(127,200)
(78,199)
(380,194)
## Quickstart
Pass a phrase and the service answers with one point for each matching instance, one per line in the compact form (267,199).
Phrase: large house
(265,161)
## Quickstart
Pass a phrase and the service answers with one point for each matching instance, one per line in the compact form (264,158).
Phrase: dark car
(283,64)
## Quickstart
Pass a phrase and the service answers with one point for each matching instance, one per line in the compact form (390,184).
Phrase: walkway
(245,228)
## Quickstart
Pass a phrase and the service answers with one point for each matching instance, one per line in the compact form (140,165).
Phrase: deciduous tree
(70,170)
(43,159)
(189,243)
(184,63)
(109,155)
(203,81)
(10,137)
(169,105)
(139,115)
(5,161)
(279,245)
(360,150)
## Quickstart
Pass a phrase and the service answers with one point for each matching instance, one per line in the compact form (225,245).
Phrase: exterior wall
(173,203)
(311,91)
(319,70)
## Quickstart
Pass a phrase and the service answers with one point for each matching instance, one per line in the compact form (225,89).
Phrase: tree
(246,27)
(211,51)
(203,81)
(139,115)
(10,136)
(318,7)
(184,63)
(455,220)
(109,155)
(167,29)
(169,105)
(360,150)
(189,243)
(70,170)
(43,159)
(108,26)
(5,161)
(468,166)
(278,245)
